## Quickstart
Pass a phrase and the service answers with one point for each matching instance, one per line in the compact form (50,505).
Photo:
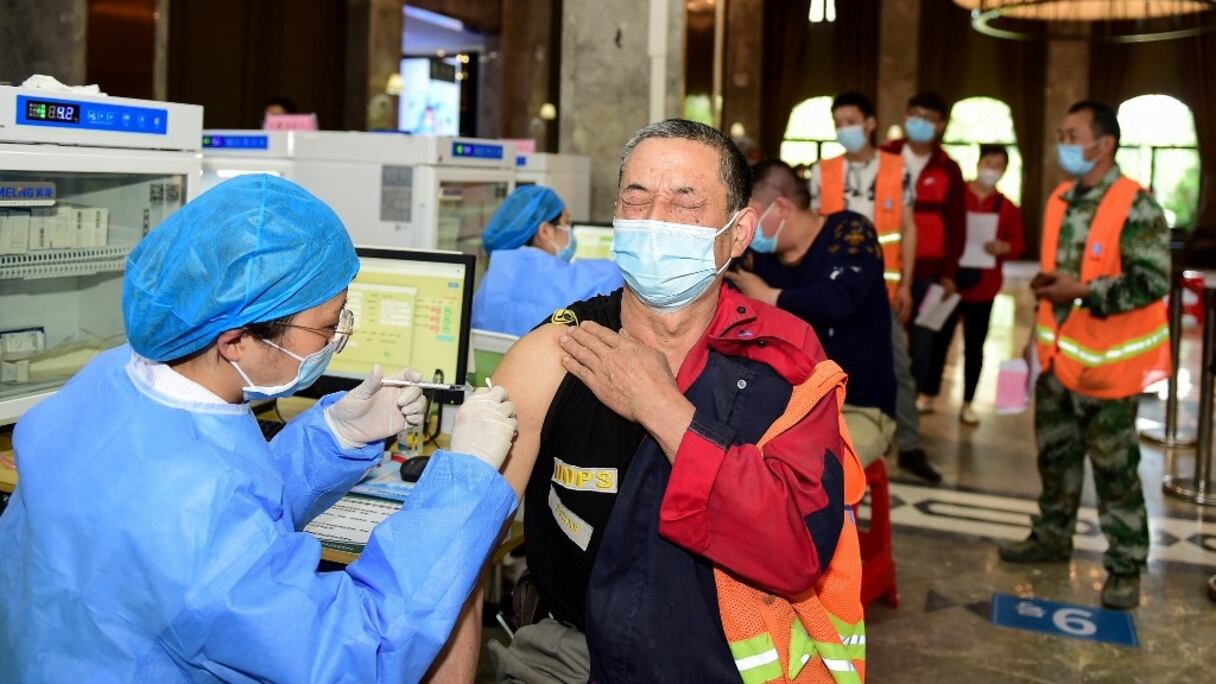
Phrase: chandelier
(1115,21)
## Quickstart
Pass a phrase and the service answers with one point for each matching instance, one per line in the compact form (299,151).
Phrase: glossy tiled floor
(948,569)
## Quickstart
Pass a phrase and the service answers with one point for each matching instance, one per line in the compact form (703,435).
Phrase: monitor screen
(430,96)
(594,240)
(412,310)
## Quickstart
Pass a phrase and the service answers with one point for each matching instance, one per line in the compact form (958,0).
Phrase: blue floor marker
(1064,619)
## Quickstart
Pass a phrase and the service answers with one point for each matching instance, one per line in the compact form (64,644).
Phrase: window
(810,134)
(822,11)
(698,107)
(977,120)
(1158,149)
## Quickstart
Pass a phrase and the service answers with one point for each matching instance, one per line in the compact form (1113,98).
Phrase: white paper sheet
(351,520)
(981,229)
(934,309)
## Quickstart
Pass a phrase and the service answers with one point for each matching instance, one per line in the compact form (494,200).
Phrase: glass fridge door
(465,209)
(64,241)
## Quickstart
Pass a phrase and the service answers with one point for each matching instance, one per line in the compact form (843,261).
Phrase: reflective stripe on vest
(1098,357)
(1112,357)
(756,659)
(888,207)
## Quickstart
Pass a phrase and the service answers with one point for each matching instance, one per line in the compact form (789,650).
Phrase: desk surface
(8,476)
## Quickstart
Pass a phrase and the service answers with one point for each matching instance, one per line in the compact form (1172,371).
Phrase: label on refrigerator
(27,194)
(396,193)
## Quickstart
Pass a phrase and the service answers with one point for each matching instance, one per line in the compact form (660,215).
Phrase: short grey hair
(733,169)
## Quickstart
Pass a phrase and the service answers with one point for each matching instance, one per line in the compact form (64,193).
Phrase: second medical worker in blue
(530,244)
(155,534)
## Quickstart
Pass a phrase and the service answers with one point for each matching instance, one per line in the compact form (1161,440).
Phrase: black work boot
(1121,592)
(1031,550)
(917,463)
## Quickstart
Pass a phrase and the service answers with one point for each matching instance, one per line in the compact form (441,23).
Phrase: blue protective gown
(522,288)
(152,540)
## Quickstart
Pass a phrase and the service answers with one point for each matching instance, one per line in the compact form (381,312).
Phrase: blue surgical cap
(520,216)
(252,249)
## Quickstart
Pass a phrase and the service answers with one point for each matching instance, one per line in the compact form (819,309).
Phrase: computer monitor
(594,240)
(412,310)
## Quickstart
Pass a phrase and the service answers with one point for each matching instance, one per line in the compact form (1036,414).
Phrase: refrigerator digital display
(92,116)
(40,110)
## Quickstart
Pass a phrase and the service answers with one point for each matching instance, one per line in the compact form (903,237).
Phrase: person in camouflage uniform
(1069,425)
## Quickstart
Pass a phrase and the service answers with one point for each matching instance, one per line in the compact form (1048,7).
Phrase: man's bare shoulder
(532,369)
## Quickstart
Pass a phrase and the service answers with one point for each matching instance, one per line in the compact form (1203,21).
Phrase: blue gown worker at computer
(530,244)
(155,534)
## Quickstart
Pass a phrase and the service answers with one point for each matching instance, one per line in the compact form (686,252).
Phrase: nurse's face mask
(564,253)
(311,367)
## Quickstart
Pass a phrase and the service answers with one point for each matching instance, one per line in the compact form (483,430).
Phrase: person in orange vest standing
(1101,337)
(877,185)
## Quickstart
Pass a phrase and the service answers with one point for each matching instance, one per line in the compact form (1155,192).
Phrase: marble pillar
(1067,81)
(43,37)
(373,53)
(490,90)
(899,46)
(527,69)
(741,87)
(605,84)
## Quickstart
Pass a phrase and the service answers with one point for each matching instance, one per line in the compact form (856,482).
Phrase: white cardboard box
(15,371)
(42,223)
(14,232)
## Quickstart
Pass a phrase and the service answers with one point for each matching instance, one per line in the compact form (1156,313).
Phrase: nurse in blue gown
(530,244)
(156,536)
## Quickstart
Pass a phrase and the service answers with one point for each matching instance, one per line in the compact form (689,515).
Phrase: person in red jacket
(640,453)
(941,231)
(976,307)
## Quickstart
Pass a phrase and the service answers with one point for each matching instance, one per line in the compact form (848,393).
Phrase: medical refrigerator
(82,179)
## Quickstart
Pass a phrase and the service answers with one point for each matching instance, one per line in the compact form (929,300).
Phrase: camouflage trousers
(1068,426)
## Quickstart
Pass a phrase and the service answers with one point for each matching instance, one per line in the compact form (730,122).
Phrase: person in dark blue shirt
(827,270)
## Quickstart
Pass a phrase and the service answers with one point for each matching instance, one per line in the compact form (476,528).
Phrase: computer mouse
(411,470)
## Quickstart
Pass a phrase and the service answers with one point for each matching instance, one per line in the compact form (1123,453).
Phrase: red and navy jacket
(1008,229)
(635,569)
(941,214)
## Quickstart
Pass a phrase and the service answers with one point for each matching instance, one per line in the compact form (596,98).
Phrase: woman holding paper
(984,205)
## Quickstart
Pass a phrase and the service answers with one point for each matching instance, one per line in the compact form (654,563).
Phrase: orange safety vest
(821,635)
(1112,357)
(888,207)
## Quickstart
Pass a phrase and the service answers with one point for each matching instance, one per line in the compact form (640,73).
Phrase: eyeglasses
(338,334)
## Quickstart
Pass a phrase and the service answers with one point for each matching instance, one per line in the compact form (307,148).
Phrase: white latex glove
(485,426)
(371,412)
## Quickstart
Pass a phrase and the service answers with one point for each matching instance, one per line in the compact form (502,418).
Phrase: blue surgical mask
(852,138)
(667,265)
(311,368)
(1072,159)
(919,130)
(762,243)
(566,253)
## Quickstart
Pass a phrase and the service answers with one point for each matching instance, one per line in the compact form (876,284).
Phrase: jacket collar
(1097,192)
(744,327)
(897,147)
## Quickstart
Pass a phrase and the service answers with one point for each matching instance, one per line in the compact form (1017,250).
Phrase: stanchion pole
(1198,489)
(1171,436)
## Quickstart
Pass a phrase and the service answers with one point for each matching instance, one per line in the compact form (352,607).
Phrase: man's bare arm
(531,372)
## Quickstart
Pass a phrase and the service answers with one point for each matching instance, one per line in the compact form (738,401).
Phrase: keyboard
(270,428)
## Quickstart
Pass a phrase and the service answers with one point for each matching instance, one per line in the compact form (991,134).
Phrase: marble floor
(945,551)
